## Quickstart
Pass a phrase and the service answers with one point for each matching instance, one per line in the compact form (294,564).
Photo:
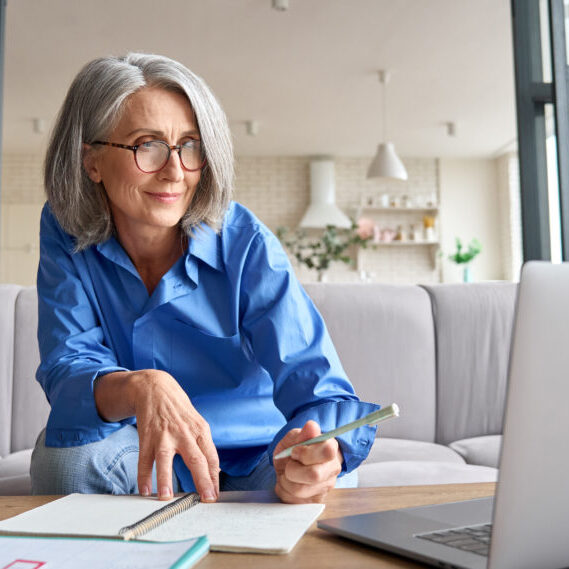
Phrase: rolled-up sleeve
(290,340)
(71,341)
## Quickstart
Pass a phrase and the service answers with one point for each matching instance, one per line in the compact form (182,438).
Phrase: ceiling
(307,75)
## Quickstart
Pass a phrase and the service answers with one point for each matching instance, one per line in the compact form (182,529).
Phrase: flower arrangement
(461,257)
(317,253)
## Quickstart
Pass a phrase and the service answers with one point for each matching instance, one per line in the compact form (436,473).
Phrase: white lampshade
(386,164)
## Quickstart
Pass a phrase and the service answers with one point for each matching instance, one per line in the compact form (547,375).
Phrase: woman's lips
(164,197)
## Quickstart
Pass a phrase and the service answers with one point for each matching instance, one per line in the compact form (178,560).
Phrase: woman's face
(142,203)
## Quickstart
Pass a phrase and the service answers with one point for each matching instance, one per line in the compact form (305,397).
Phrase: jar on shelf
(383,200)
(429,227)
(400,235)
(415,233)
(431,200)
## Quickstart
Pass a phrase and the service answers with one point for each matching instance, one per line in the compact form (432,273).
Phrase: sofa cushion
(16,485)
(30,408)
(473,324)
(419,472)
(480,450)
(15,464)
(8,294)
(385,339)
(387,450)
(15,474)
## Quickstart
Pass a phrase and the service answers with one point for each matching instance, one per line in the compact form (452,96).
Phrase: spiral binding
(160,516)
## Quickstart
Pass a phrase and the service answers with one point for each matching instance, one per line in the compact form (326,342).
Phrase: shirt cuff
(79,423)
(355,445)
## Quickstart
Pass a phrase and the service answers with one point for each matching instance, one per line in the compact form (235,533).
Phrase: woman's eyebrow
(192,132)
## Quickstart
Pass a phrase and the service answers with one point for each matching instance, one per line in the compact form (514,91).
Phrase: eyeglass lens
(152,156)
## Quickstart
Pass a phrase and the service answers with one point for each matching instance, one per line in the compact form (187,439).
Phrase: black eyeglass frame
(133,149)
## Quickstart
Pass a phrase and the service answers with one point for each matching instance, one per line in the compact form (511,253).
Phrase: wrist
(115,395)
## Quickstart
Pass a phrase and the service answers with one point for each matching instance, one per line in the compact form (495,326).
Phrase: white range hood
(322,210)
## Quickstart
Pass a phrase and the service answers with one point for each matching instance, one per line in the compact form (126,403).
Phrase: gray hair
(91,110)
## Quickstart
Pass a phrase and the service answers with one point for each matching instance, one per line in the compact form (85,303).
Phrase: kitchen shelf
(403,243)
(395,213)
(432,248)
(398,209)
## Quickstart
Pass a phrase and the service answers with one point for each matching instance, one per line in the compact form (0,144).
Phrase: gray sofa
(440,352)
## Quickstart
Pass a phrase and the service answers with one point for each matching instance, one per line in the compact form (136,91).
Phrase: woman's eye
(191,143)
(148,146)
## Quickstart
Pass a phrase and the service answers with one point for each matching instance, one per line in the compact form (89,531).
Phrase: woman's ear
(91,163)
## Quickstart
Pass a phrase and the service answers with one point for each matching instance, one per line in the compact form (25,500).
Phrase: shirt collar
(113,251)
(205,244)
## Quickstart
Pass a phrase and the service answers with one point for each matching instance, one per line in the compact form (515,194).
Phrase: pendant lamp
(386,163)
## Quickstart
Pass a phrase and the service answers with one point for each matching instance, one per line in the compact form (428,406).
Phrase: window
(541,54)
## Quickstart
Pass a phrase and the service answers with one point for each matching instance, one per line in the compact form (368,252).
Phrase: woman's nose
(173,168)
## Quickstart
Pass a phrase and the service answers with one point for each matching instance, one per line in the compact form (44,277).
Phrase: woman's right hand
(167,423)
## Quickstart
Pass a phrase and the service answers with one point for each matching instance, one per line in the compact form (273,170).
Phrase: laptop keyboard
(475,539)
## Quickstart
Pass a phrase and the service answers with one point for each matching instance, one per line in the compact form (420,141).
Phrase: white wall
(470,208)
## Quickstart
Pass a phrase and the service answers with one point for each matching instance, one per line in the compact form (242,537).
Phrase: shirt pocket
(204,362)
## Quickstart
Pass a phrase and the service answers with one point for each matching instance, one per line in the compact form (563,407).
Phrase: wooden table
(317,548)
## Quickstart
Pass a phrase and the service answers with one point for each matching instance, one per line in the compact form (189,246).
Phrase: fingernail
(144,491)
(209,496)
(165,492)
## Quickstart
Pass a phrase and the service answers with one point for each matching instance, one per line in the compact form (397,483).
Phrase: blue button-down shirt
(229,321)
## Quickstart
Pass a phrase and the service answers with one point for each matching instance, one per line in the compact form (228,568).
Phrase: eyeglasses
(152,156)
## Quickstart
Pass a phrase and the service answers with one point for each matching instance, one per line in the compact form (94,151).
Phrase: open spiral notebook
(229,526)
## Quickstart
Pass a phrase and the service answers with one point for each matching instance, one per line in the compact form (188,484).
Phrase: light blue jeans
(110,466)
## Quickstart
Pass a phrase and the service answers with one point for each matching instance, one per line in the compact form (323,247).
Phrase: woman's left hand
(311,471)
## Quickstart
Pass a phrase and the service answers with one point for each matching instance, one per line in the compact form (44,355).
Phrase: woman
(173,333)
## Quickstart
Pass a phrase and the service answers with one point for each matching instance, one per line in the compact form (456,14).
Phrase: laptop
(526,525)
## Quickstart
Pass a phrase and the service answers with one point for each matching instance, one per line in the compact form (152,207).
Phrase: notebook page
(230,526)
(233,526)
(84,514)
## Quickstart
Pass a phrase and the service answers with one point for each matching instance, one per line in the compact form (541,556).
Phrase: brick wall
(22,200)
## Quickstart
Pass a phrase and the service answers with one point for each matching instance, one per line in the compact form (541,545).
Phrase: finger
(164,457)
(312,475)
(291,438)
(318,453)
(310,430)
(208,449)
(144,477)
(293,493)
(199,467)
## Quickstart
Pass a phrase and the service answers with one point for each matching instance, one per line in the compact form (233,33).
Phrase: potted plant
(464,258)
(317,253)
